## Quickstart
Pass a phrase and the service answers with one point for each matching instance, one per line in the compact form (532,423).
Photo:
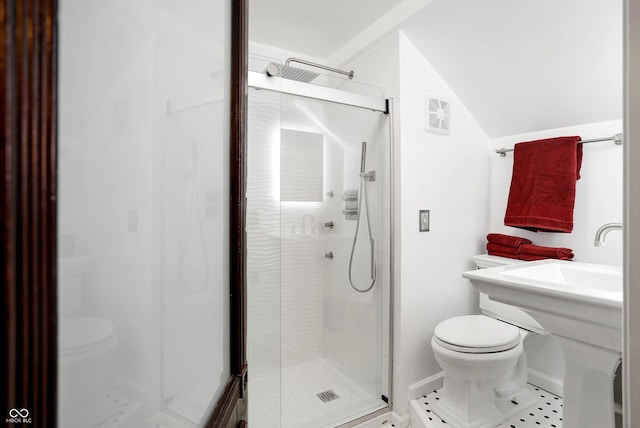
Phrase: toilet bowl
(484,365)
(85,346)
(484,371)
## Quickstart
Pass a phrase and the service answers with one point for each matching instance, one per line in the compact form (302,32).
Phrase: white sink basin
(598,284)
(581,305)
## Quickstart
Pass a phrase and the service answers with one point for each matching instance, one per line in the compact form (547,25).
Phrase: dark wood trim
(239,85)
(224,411)
(28,209)
(231,409)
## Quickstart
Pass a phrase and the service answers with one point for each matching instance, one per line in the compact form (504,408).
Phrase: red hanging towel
(543,184)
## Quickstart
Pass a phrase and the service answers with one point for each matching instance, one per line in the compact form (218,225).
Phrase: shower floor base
(118,405)
(293,398)
(192,400)
(547,413)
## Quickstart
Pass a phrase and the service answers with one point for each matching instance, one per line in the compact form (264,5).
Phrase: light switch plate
(424,221)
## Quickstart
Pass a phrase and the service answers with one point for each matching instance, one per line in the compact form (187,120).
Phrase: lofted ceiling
(313,27)
(518,65)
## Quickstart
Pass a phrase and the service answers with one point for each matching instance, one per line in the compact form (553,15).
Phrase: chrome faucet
(602,232)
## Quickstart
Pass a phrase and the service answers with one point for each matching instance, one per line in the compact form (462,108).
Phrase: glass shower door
(143,212)
(329,341)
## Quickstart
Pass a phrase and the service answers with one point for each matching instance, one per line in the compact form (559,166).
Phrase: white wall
(598,193)
(449,175)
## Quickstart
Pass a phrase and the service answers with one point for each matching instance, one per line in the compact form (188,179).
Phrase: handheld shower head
(363,158)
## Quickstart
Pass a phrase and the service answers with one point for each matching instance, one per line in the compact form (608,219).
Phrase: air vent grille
(437,115)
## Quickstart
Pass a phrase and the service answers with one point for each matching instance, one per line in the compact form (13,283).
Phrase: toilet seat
(476,334)
(81,335)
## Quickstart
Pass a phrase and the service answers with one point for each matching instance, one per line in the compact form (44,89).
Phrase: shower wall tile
(302,298)
(263,234)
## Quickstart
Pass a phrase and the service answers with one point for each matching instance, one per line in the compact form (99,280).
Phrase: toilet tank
(501,311)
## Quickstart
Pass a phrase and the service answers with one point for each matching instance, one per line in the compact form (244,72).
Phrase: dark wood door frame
(28,215)
(28,210)
(231,409)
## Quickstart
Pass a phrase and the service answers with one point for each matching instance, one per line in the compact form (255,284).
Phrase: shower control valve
(328,255)
(368,176)
(329,225)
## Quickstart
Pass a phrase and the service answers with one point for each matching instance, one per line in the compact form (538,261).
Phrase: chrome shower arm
(324,67)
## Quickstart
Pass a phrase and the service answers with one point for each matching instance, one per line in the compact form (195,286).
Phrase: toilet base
(515,402)
(547,413)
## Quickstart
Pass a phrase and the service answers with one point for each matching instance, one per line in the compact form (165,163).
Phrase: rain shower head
(291,73)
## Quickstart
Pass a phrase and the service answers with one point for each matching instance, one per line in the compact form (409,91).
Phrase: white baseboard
(545,382)
(403,421)
(539,379)
(425,386)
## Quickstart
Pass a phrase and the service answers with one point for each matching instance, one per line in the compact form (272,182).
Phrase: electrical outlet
(424,221)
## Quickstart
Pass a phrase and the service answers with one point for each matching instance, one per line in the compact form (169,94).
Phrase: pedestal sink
(581,305)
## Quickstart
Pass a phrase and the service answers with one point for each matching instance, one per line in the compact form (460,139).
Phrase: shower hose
(363,192)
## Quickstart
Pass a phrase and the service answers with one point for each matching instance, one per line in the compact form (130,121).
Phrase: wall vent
(437,115)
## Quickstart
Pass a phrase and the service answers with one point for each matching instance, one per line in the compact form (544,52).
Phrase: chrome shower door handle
(373,258)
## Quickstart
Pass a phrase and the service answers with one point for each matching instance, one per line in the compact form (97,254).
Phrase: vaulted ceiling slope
(313,27)
(526,65)
(518,65)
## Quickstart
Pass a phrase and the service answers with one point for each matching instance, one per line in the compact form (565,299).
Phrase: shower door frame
(321,93)
(384,105)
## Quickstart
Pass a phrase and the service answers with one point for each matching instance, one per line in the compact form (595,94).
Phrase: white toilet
(84,347)
(485,370)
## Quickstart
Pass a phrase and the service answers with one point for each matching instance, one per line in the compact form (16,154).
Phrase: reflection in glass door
(143,211)
(317,338)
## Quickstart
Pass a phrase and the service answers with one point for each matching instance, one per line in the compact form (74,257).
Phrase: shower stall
(318,252)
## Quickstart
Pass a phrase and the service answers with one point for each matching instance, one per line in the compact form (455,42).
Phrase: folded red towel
(502,248)
(507,240)
(533,257)
(548,252)
(543,184)
(508,255)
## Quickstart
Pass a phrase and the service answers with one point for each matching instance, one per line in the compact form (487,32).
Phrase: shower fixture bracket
(349,73)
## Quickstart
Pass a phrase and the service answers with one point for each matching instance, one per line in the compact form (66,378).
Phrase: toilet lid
(476,334)
(82,334)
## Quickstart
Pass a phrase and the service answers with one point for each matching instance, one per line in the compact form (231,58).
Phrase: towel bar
(617,139)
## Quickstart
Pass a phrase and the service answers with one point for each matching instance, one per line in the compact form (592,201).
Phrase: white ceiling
(314,27)
(518,65)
